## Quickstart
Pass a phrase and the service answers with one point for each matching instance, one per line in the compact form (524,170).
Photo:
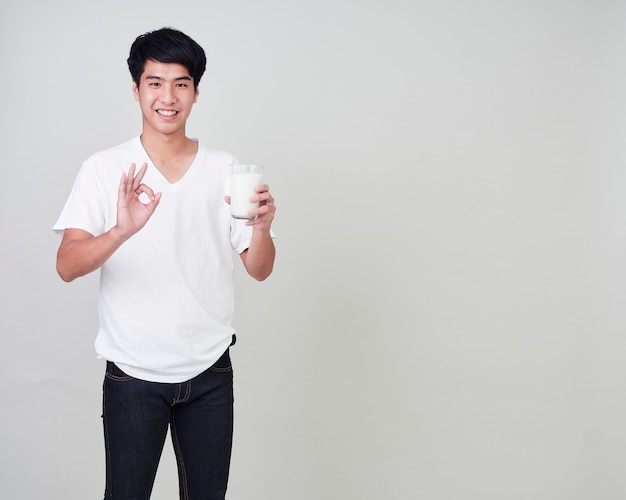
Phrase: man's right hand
(81,252)
(132,213)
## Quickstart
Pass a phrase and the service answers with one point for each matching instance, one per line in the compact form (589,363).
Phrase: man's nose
(168,95)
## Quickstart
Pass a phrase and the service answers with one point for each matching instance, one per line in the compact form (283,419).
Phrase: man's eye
(181,85)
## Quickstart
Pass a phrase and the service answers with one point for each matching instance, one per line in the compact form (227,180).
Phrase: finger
(266,210)
(264,213)
(262,192)
(142,188)
(260,219)
(122,187)
(139,177)
(127,179)
(265,198)
(151,206)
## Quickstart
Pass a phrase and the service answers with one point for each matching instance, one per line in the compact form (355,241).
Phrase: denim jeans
(199,414)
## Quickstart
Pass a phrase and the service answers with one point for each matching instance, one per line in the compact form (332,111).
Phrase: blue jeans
(199,414)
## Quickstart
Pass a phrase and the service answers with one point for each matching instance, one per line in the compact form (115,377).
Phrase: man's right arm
(81,252)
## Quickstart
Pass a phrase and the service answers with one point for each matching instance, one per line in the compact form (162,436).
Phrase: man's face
(166,94)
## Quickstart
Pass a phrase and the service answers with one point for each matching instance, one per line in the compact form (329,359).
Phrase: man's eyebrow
(156,77)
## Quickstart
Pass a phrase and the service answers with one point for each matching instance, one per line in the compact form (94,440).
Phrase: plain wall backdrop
(447,315)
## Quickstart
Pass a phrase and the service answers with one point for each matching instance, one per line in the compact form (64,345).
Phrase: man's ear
(135,91)
(195,99)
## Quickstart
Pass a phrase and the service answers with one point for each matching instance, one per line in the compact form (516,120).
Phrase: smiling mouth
(166,112)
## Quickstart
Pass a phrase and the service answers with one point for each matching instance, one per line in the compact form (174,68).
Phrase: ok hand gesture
(132,213)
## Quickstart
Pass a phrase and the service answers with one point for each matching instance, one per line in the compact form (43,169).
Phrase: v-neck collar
(186,176)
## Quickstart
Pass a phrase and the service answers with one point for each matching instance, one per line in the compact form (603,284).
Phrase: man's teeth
(166,112)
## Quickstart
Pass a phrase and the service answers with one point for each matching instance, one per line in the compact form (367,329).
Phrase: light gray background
(447,316)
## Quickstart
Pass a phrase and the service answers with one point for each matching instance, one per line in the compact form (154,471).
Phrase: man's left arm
(258,258)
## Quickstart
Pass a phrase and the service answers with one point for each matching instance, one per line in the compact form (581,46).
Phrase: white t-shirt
(166,297)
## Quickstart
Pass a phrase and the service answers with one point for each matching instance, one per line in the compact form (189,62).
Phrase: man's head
(166,45)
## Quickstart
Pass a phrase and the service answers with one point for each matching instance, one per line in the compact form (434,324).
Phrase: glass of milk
(243,182)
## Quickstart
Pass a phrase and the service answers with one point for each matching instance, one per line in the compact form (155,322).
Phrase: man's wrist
(116,233)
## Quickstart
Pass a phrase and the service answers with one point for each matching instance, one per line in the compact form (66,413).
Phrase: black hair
(166,45)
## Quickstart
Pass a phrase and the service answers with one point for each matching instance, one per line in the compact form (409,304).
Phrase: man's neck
(166,146)
(172,155)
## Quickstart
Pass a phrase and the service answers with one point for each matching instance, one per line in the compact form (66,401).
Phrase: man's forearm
(81,253)
(258,259)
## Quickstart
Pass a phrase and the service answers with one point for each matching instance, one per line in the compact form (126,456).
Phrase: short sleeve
(241,235)
(85,207)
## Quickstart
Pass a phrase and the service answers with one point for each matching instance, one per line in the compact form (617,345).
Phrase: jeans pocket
(114,373)
(223,364)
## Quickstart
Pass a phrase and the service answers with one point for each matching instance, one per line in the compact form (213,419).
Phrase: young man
(163,239)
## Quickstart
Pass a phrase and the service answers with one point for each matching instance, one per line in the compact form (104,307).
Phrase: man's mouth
(166,112)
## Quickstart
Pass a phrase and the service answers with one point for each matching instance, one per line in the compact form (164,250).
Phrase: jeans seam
(179,459)
(177,399)
(118,378)
(107,447)
(221,370)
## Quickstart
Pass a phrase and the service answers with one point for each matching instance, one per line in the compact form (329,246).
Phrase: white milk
(242,187)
